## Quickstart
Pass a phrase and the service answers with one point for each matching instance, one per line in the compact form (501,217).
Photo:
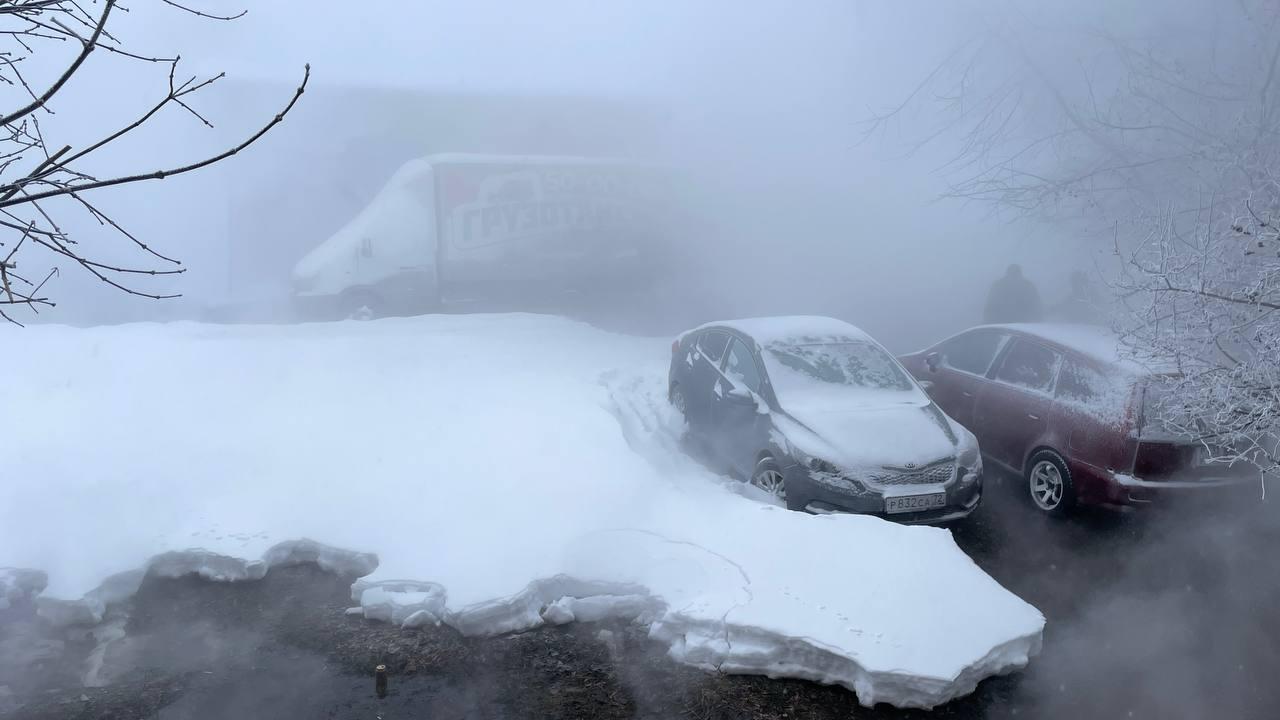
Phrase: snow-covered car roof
(790,327)
(1092,341)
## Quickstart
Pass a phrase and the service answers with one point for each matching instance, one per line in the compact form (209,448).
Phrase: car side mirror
(741,396)
(926,385)
(933,360)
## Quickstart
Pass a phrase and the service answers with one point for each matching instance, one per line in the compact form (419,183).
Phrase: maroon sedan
(1057,405)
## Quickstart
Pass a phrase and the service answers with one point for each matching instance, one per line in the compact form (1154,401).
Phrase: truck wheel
(360,306)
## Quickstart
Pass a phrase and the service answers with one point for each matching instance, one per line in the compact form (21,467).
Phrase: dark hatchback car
(815,412)
(1059,406)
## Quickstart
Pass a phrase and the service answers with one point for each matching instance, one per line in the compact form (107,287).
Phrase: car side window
(741,366)
(1079,382)
(712,344)
(1030,365)
(973,352)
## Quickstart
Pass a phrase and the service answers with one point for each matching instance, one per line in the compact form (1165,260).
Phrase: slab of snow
(508,471)
(403,602)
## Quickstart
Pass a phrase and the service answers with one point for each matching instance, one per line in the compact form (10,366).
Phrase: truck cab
(382,261)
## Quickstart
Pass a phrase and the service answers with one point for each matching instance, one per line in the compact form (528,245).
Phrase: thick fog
(864,160)
(766,106)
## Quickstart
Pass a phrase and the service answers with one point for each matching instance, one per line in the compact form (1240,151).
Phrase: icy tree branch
(1174,144)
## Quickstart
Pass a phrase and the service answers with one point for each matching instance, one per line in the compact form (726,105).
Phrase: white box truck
(495,230)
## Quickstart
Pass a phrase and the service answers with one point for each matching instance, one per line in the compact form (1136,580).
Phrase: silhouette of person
(1080,306)
(1012,299)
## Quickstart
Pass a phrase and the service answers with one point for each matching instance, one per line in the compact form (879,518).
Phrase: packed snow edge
(723,646)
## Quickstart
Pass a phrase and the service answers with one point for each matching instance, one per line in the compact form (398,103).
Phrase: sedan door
(704,358)
(957,370)
(1013,409)
(741,430)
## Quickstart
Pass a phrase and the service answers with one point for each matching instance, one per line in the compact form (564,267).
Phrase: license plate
(914,503)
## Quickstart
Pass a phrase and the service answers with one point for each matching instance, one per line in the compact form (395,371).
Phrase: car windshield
(847,363)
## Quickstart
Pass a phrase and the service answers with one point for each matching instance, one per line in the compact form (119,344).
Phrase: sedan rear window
(1030,365)
(1080,383)
(1089,390)
(857,364)
(1159,406)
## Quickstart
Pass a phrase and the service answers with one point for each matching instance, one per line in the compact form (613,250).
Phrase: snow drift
(508,471)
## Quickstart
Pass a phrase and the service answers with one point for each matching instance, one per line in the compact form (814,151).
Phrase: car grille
(929,475)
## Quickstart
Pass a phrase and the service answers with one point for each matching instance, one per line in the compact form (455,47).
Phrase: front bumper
(824,498)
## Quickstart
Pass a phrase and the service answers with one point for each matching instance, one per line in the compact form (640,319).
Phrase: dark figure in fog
(1012,299)
(1081,306)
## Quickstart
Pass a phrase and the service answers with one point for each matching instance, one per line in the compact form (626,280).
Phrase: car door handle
(1033,417)
(966,394)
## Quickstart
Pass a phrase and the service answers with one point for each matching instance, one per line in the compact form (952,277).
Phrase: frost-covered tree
(1158,135)
(44,44)
(1203,293)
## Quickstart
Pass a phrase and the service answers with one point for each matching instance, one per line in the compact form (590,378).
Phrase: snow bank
(89,608)
(520,470)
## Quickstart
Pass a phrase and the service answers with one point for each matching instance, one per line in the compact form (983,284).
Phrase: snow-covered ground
(490,472)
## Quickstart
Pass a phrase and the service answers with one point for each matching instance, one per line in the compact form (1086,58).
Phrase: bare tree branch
(162,174)
(47,95)
(206,15)
(36,180)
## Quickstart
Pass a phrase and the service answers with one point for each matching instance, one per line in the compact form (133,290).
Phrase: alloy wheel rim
(771,482)
(1046,485)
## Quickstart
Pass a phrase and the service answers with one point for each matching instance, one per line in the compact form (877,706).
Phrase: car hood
(873,436)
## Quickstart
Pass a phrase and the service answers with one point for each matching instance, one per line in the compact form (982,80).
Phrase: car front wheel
(768,477)
(1049,482)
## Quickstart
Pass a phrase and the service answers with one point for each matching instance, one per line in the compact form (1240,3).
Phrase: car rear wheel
(1049,483)
(677,399)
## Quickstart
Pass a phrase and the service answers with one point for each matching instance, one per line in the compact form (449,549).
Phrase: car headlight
(822,466)
(969,459)
(816,464)
(827,472)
